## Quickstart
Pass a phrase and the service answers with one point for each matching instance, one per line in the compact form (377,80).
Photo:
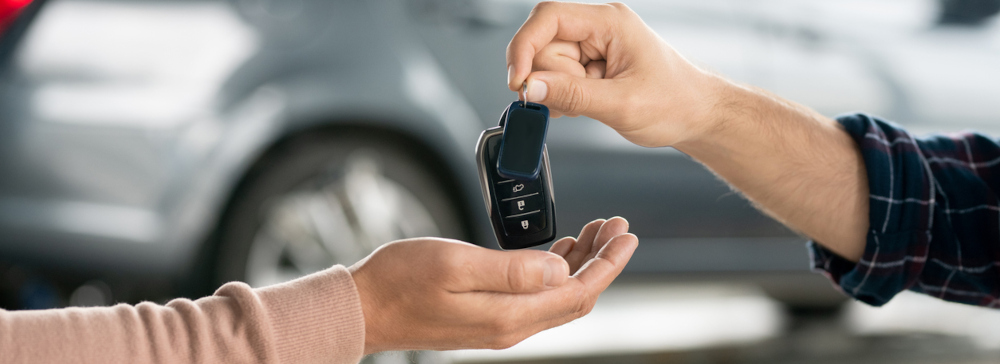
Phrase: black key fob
(522,211)
(524,127)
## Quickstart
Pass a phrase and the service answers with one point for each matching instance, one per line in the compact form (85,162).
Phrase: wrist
(373,342)
(719,106)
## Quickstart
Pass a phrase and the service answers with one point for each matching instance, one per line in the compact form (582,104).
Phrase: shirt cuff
(885,269)
(317,318)
(898,239)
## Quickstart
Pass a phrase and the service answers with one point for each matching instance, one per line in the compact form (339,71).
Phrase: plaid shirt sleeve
(934,220)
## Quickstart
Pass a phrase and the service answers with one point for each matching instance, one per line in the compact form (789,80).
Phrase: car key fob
(524,127)
(522,211)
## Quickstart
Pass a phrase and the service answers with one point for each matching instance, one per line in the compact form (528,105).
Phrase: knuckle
(610,10)
(620,9)
(544,5)
(617,5)
(517,275)
(576,98)
(544,60)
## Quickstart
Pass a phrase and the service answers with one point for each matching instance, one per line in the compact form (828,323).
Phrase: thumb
(522,271)
(573,95)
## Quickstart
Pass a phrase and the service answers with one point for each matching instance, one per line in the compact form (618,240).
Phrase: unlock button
(519,205)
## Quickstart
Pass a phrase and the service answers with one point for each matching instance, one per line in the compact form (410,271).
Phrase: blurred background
(156,149)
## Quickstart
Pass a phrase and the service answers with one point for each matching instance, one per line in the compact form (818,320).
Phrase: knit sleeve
(314,319)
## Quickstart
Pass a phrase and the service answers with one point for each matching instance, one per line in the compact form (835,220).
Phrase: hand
(443,294)
(602,61)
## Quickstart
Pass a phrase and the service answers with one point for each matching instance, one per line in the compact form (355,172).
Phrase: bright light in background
(916,313)
(125,64)
(641,318)
(653,318)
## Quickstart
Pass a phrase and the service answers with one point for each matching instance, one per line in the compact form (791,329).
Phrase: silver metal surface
(524,94)
(548,173)
(339,222)
(484,181)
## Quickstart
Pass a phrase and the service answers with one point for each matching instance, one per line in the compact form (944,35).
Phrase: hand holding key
(602,61)
(795,164)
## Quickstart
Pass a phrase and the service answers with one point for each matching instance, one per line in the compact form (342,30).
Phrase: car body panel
(140,189)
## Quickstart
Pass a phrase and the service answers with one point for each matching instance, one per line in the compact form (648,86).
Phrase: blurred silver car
(205,141)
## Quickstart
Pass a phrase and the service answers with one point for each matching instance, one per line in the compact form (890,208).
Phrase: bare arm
(794,164)
(602,61)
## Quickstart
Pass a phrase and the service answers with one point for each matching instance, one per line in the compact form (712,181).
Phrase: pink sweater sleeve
(314,319)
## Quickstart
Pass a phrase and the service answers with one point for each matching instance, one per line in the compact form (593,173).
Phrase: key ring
(524,94)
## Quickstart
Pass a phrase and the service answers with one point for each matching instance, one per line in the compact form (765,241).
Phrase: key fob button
(526,223)
(513,188)
(519,205)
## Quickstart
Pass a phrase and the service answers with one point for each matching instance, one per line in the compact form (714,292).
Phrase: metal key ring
(524,94)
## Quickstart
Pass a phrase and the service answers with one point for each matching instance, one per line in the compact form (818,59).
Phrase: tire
(327,199)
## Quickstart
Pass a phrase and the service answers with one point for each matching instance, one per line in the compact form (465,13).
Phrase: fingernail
(510,74)
(537,90)
(552,276)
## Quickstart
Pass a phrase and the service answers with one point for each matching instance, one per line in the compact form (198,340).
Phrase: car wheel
(318,201)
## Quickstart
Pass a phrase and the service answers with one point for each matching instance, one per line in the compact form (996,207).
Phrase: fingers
(544,310)
(562,246)
(522,271)
(596,69)
(517,316)
(526,314)
(560,56)
(567,57)
(599,272)
(584,243)
(610,229)
(572,95)
(557,21)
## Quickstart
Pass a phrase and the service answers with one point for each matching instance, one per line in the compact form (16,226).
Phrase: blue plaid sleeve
(934,220)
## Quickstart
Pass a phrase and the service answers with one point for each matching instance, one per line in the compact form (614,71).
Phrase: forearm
(796,165)
(314,319)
